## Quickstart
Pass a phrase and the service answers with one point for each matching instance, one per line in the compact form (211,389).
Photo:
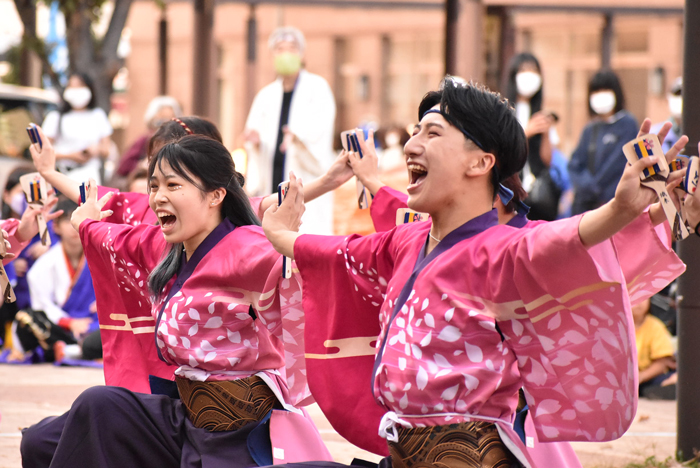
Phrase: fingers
(638,167)
(54,215)
(92,190)
(644,128)
(103,201)
(50,204)
(107,213)
(665,128)
(676,148)
(370,138)
(293,189)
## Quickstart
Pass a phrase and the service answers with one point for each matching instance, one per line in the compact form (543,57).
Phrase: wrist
(621,214)
(373,185)
(656,214)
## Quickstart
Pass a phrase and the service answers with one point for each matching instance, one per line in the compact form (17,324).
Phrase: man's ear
(481,165)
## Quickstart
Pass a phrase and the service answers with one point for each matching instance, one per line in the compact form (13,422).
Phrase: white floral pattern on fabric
(206,326)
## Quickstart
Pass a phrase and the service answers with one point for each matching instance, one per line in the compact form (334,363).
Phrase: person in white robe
(290,128)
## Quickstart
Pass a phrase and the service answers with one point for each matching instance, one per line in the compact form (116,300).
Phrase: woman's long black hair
(535,142)
(208,165)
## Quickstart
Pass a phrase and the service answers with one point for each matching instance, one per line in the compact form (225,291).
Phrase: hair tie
(505,194)
(183,125)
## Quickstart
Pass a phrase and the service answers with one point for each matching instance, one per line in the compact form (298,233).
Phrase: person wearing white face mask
(675,107)
(598,162)
(290,128)
(524,91)
(80,131)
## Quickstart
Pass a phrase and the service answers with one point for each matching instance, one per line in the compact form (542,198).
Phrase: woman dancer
(455,300)
(217,295)
(125,320)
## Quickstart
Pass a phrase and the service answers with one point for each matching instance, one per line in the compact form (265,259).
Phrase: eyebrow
(428,125)
(165,176)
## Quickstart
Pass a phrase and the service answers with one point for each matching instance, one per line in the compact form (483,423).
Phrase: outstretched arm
(339,173)
(631,199)
(45,162)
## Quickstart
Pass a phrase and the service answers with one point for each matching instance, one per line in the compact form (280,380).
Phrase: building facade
(380,61)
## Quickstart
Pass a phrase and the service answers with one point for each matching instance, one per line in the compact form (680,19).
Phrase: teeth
(417,168)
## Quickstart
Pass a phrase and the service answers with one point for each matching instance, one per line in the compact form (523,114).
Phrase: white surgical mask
(528,83)
(78,98)
(675,105)
(602,102)
(18,203)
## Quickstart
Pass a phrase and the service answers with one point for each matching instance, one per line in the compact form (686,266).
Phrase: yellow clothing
(653,341)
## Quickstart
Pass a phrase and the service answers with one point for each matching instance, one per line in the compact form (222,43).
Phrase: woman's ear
(217,196)
(481,165)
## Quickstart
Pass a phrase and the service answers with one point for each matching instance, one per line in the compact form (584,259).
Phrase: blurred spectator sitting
(80,131)
(655,354)
(524,91)
(62,319)
(161,109)
(598,162)
(675,106)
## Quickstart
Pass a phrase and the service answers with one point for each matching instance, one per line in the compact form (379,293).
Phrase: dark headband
(457,125)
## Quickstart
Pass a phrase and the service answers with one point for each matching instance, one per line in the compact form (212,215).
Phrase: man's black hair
(68,206)
(488,117)
(606,79)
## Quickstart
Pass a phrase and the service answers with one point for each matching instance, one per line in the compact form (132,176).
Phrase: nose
(413,146)
(158,195)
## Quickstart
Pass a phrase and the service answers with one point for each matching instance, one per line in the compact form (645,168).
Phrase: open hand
(92,208)
(28,225)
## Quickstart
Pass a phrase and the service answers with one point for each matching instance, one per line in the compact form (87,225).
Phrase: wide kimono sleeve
(571,327)
(342,306)
(385,204)
(10,226)
(127,207)
(120,258)
(647,257)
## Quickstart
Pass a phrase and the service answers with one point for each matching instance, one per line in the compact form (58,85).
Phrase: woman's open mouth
(416,175)
(166,220)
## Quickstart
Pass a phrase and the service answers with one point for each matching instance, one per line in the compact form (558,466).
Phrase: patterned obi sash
(474,444)
(226,405)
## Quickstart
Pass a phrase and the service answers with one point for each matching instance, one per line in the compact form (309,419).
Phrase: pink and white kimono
(486,313)
(646,257)
(126,323)
(645,251)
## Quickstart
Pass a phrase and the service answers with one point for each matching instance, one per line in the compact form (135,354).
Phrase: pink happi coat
(645,251)
(10,226)
(504,309)
(126,323)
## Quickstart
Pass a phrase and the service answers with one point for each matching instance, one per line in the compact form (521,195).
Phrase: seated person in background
(62,298)
(655,355)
